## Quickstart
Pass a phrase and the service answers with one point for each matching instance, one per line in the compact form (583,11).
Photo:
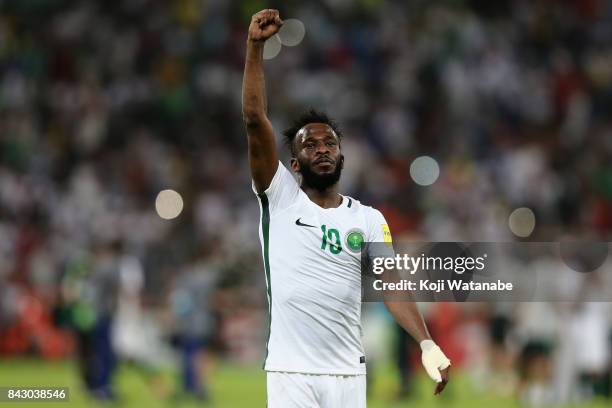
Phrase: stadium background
(105,104)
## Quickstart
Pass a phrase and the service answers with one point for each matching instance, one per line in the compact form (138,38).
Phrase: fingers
(445,374)
(442,384)
(445,364)
(439,388)
(433,372)
(433,360)
(267,17)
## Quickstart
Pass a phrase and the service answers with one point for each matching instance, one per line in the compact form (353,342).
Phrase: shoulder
(352,203)
(368,211)
(374,221)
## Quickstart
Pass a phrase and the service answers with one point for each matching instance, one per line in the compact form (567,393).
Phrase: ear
(341,161)
(295,165)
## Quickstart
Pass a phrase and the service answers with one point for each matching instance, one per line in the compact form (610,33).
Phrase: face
(318,158)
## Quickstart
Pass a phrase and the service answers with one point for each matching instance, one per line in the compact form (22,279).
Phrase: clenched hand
(264,24)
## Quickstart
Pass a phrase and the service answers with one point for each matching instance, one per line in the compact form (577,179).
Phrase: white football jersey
(312,261)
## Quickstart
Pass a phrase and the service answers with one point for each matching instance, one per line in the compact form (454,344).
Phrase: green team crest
(354,240)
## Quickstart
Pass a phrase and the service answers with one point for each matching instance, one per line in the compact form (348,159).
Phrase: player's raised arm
(263,157)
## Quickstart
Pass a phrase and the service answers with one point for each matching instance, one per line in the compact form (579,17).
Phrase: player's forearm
(254,105)
(407,315)
(436,364)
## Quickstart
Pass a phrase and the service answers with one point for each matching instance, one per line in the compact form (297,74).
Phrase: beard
(319,182)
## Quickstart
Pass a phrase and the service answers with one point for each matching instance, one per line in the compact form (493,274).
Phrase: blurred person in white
(535,334)
(499,375)
(584,354)
(315,354)
(137,336)
(568,342)
(590,331)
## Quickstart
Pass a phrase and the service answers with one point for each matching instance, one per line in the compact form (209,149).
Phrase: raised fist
(264,24)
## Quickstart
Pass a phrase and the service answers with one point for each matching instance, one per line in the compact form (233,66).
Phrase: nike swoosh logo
(301,224)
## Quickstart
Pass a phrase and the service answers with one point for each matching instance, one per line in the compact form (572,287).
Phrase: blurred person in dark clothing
(405,350)
(191,306)
(90,296)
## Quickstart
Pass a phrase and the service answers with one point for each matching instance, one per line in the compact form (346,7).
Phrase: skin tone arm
(407,315)
(263,158)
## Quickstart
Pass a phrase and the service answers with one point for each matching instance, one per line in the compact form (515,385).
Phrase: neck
(328,198)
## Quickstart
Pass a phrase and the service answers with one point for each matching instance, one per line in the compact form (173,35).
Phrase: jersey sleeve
(380,242)
(282,191)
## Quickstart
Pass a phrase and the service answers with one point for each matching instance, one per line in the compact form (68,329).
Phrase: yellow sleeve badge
(386,233)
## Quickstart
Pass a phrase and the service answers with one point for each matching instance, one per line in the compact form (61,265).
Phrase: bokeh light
(292,32)
(424,170)
(522,222)
(168,204)
(272,47)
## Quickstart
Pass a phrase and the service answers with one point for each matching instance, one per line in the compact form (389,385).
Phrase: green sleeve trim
(265,228)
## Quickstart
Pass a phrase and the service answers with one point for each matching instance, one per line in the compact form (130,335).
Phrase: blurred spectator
(90,290)
(192,306)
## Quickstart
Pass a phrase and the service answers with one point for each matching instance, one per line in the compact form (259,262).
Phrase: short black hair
(310,116)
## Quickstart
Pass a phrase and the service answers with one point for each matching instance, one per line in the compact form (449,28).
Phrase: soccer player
(311,239)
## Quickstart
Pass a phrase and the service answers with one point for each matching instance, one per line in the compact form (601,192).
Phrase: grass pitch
(231,387)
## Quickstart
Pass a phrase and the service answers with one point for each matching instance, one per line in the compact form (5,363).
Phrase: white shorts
(295,390)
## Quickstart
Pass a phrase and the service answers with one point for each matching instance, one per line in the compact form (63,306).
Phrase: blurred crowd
(105,104)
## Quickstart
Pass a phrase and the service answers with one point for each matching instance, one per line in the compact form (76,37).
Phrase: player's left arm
(407,315)
(403,309)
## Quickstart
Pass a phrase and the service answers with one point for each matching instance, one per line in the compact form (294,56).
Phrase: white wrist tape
(433,359)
